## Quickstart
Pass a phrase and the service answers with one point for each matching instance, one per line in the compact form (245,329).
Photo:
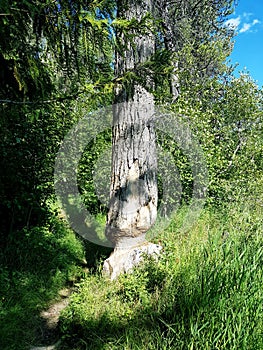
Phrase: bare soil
(48,333)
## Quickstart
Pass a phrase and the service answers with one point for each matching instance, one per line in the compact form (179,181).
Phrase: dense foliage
(51,54)
(58,55)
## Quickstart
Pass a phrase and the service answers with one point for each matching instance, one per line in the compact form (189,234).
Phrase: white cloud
(245,27)
(244,20)
(233,23)
(247,15)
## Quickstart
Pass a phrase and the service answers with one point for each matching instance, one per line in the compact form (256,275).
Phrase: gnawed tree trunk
(133,197)
(133,194)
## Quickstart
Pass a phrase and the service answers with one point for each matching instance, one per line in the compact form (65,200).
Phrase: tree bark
(133,193)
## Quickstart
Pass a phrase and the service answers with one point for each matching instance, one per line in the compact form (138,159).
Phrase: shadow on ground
(35,266)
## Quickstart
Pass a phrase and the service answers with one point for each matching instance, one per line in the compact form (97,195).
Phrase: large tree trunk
(133,194)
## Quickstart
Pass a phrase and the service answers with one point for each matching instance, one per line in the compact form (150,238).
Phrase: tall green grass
(205,292)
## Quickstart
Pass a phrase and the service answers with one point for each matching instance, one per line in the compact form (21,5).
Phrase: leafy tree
(194,40)
(50,53)
(55,52)
(133,199)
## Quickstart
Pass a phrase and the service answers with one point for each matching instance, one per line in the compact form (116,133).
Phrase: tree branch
(230,161)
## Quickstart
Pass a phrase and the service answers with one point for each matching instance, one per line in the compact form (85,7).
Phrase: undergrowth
(205,292)
(36,264)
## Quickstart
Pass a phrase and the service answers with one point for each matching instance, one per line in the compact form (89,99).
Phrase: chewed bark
(133,195)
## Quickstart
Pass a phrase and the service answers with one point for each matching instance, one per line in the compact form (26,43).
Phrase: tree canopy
(56,54)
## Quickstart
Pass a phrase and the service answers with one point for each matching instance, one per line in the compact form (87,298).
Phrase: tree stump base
(125,257)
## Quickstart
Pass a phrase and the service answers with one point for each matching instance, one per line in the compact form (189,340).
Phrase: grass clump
(205,292)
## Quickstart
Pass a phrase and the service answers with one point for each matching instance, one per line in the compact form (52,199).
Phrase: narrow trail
(48,335)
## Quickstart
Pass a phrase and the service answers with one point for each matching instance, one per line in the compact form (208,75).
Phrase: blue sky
(248,50)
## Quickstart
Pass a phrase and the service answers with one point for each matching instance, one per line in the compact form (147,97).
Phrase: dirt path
(48,337)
